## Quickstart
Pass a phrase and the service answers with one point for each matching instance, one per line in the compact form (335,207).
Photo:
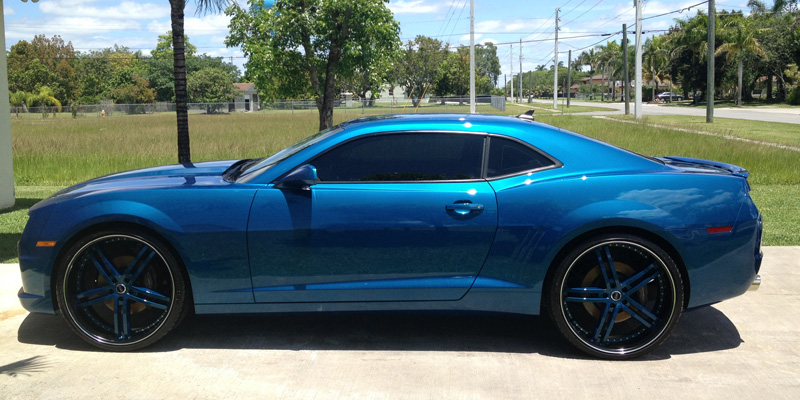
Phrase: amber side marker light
(45,244)
(719,229)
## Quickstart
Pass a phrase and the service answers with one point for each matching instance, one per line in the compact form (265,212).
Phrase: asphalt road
(785,115)
(743,348)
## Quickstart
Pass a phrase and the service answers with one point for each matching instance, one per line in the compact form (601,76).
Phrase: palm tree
(43,99)
(179,63)
(656,61)
(592,59)
(740,41)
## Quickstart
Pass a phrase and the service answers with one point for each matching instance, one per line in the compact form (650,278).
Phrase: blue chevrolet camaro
(401,212)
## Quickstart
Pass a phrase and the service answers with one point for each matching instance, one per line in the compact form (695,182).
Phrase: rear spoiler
(733,169)
(526,116)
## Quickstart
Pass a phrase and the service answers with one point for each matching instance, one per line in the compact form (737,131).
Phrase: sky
(98,24)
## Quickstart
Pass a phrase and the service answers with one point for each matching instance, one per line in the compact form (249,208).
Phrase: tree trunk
(181,97)
(602,83)
(739,88)
(769,86)
(591,79)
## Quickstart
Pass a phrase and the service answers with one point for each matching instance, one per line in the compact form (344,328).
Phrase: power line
(680,10)
(584,13)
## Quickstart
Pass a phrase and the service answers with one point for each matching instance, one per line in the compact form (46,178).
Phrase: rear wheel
(121,290)
(616,296)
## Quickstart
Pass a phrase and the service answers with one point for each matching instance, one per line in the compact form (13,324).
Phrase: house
(247,99)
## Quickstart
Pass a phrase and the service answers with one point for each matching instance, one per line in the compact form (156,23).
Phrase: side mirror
(302,178)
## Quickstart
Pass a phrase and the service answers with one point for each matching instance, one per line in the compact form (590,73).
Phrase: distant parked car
(670,96)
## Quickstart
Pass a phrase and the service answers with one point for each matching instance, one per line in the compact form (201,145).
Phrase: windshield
(266,163)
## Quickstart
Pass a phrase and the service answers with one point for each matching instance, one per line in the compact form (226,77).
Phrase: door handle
(464,208)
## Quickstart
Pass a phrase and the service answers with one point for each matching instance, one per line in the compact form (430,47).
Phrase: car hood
(167,175)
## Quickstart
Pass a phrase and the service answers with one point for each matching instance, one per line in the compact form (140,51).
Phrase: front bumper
(34,303)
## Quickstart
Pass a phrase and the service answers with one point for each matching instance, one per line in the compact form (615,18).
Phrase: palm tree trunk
(739,89)
(591,79)
(602,82)
(181,97)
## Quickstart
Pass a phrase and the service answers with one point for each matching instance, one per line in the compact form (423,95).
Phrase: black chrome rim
(119,289)
(618,297)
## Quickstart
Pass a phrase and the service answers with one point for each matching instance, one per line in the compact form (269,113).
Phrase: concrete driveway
(747,347)
(785,115)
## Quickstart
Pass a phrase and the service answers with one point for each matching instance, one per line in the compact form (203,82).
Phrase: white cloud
(8,10)
(125,10)
(214,24)
(413,7)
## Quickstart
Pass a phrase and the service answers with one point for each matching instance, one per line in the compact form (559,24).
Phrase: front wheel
(616,296)
(121,290)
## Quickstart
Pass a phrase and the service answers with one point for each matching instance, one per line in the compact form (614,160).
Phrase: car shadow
(698,331)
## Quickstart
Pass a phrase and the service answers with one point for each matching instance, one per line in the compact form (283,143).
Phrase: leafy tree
(44,62)
(298,46)
(211,85)
(453,74)
(135,92)
(160,71)
(486,65)
(420,65)
(163,50)
(179,65)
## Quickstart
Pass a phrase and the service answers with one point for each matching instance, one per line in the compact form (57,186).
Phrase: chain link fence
(345,106)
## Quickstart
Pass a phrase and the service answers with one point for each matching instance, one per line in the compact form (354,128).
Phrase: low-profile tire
(121,290)
(616,296)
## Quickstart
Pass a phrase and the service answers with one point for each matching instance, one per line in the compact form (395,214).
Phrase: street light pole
(637,109)
(472,56)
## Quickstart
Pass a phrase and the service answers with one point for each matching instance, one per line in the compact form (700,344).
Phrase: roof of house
(243,87)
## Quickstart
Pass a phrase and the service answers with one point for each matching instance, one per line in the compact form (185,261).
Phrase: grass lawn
(772,132)
(52,153)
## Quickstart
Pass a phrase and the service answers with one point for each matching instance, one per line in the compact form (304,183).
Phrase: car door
(402,216)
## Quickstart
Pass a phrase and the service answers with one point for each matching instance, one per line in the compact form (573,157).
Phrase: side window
(507,157)
(403,157)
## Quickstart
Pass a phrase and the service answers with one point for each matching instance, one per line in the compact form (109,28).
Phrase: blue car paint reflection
(248,246)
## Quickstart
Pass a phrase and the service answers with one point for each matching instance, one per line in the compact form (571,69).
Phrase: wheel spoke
(587,294)
(95,292)
(642,310)
(611,322)
(145,255)
(612,267)
(149,297)
(104,265)
(643,276)
(603,268)
(602,323)
(87,303)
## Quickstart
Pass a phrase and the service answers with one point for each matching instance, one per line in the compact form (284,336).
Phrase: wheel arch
(119,226)
(662,242)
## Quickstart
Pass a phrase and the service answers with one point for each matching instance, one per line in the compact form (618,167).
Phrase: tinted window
(403,157)
(507,157)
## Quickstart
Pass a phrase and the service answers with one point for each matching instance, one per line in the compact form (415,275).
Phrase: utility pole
(505,85)
(712,16)
(520,71)
(555,68)
(511,62)
(472,56)
(625,78)
(7,196)
(637,109)
(569,76)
